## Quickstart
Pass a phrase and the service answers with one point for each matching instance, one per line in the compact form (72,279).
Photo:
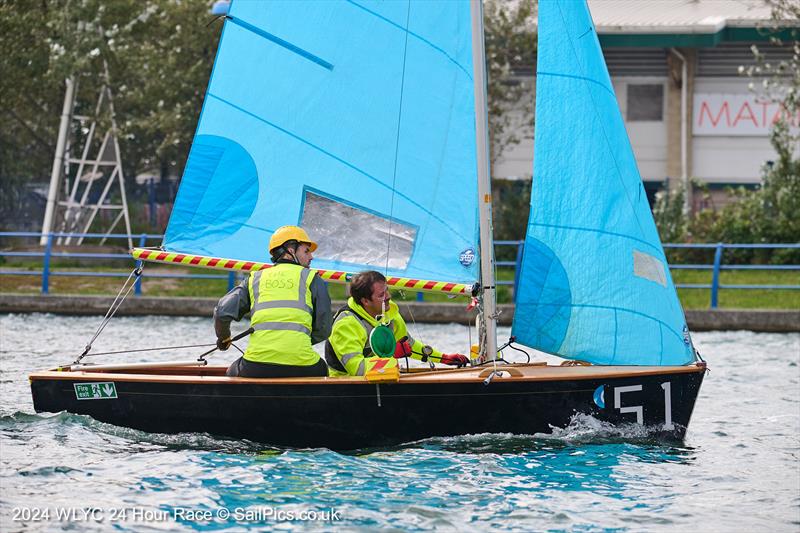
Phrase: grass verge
(177,287)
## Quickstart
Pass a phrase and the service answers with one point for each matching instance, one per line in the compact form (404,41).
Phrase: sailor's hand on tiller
(223,344)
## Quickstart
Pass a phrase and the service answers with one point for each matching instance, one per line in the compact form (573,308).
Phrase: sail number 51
(638,409)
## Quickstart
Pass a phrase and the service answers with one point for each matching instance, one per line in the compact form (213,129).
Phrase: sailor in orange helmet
(290,310)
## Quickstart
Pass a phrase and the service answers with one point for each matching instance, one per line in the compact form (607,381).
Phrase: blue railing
(48,254)
(716,267)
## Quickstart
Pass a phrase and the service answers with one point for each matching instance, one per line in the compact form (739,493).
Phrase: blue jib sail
(353,119)
(594,283)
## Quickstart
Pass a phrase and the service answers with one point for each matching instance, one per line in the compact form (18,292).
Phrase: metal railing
(717,266)
(48,254)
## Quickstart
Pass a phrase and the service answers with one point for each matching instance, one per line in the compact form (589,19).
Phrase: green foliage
(669,214)
(510,44)
(770,213)
(510,208)
(158,55)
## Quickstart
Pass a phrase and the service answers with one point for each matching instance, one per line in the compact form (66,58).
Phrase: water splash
(586,429)
(741,454)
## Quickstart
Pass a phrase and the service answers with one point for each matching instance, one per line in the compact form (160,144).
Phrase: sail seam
(594,230)
(601,123)
(280,42)
(424,40)
(346,163)
(607,307)
(582,78)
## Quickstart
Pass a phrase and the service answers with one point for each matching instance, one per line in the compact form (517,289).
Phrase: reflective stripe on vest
(281,315)
(339,362)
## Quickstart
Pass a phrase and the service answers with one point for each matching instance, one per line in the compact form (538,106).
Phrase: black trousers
(249,369)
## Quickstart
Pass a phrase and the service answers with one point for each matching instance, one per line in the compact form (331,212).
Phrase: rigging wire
(115,305)
(402,294)
(397,140)
(212,21)
(469,339)
(153,349)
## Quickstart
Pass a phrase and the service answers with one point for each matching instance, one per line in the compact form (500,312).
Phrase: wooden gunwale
(531,373)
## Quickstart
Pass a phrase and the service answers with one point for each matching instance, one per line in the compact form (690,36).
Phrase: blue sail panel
(594,283)
(354,119)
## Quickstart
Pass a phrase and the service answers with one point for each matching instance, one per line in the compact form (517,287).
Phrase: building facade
(691,115)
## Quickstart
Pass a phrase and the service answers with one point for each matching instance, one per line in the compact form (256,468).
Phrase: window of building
(645,102)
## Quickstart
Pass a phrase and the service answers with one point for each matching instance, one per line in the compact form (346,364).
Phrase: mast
(488,307)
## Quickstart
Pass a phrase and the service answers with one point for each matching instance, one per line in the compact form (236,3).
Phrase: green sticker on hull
(95,391)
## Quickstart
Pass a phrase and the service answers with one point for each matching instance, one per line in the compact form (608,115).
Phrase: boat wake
(582,429)
(109,436)
(585,429)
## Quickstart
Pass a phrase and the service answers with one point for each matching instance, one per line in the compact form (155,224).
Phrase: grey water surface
(737,470)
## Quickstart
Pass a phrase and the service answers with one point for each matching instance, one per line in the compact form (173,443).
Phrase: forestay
(594,283)
(353,119)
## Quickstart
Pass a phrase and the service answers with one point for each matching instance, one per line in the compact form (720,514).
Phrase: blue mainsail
(354,119)
(594,283)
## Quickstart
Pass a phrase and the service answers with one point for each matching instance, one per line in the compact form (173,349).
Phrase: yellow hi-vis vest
(281,315)
(347,350)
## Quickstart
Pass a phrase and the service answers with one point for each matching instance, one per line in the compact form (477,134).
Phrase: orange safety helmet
(285,234)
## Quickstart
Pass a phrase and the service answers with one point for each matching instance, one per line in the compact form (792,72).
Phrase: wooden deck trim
(466,375)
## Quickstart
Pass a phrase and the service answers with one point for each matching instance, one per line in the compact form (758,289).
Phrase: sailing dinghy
(365,123)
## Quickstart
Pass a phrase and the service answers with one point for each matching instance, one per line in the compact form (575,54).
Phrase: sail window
(645,102)
(648,267)
(352,234)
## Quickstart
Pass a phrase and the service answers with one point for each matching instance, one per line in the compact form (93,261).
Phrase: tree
(775,208)
(770,213)
(510,46)
(158,54)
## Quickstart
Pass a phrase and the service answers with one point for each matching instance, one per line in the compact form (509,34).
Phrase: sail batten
(594,283)
(366,104)
(277,40)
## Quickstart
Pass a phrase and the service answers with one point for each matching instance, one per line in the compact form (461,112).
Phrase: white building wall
(731,158)
(648,139)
